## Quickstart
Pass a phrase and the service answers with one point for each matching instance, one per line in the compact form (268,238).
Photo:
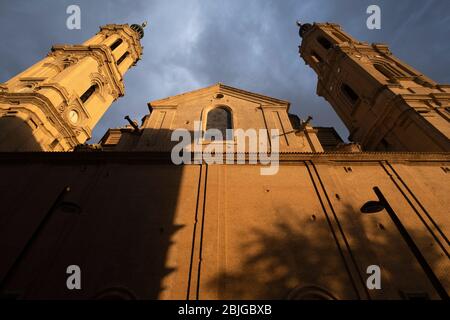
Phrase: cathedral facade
(139,226)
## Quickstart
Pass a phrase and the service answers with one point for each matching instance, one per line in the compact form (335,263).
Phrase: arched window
(126,54)
(219,118)
(88,93)
(324,42)
(349,93)
(116,44)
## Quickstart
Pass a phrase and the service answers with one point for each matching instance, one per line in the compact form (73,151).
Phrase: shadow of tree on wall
(297,258)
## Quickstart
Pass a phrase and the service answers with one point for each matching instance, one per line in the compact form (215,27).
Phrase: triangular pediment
(218,88)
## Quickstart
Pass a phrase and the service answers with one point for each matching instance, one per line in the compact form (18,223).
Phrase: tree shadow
(299,259)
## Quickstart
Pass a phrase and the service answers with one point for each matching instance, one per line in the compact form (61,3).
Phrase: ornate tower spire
(55,104)
(385,104)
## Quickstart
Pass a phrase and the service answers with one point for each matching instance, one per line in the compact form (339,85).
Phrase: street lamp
(382,203)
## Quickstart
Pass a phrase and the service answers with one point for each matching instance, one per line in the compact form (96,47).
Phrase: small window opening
(85,97)
(350,94)
(126,54)
(324,42)
(116,44)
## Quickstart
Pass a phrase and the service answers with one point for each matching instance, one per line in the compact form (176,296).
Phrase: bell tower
(55,104)
(385,104)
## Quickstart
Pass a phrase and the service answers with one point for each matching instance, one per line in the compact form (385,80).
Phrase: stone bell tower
(55,104)
(385,104)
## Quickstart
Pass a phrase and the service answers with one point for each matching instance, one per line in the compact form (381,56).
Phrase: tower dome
(139,29)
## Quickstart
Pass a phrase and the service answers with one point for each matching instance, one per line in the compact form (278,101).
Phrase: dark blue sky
(249,44)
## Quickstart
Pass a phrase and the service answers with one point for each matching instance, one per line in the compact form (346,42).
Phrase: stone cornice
(47,107)
(220,88)
(67,101)
(163,106)
(58,88)
(285,157)
(107,59)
